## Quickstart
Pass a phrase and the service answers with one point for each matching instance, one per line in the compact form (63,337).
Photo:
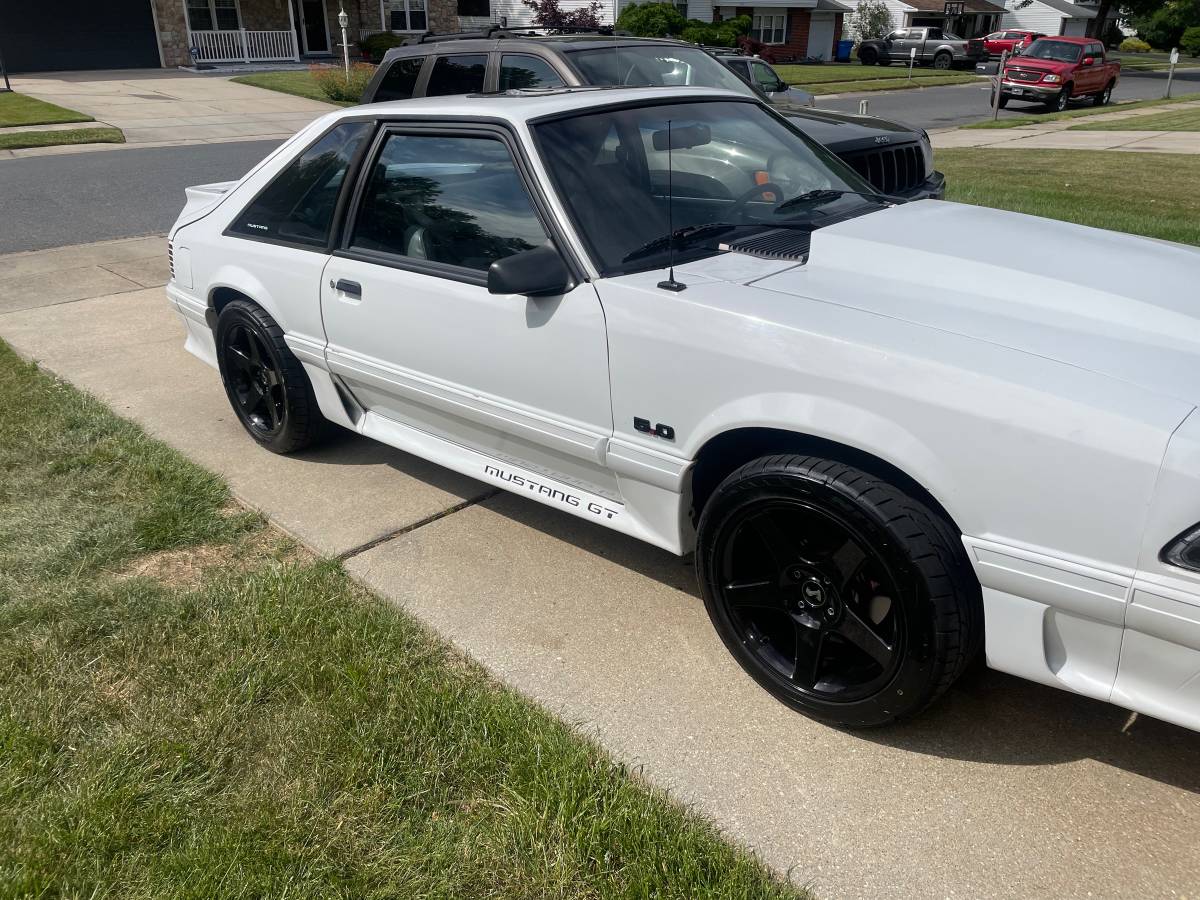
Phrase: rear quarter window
(400,80)
(297,206)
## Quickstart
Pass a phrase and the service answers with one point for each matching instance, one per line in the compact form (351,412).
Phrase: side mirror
(539,272)
(1089,60)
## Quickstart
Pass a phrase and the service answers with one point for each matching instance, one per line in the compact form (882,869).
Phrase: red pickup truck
(1053,70)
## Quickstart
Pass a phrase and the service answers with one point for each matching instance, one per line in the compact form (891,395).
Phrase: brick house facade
(794,32)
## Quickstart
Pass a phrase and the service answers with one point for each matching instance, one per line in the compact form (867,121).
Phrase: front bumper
(932,188)
(1024,90)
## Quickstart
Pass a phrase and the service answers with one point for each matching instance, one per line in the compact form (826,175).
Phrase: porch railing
(243,46)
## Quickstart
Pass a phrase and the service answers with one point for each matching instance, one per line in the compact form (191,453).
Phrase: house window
(212,15)
(407,15)
(769,29)
(682,7)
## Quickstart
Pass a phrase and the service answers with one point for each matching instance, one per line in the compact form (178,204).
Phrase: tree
(1162,24)
(652,20)
(548,14)
(726,33)
(871,19)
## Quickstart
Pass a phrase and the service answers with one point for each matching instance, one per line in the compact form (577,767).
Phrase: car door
(417,339)
(766,78)
(896,45)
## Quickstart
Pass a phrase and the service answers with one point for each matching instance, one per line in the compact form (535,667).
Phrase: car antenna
(670,284)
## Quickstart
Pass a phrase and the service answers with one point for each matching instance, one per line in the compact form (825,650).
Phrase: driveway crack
(420,523)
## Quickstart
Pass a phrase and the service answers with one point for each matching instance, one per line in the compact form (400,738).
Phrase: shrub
(716,34)
(1190,42)
(375,45)
(652,20)
(333,82)
(871,19)
(1134,45)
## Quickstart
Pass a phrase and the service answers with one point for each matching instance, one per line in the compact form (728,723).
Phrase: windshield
(733,163)
(656,65)
(1059,51)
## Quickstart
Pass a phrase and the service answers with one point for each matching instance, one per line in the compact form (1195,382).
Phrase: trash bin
(843,50)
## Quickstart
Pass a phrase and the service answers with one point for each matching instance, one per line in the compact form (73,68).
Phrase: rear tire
(943,61)
(1103,98)
(844,597)
(265,383)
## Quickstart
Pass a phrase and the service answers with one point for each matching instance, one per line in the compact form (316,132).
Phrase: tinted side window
(400,80)
(453,200)
(934,34)
(518,71)
(298,205)
(457,75)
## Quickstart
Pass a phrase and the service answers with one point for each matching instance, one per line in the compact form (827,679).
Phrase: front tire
(868,57)
(846,598)
(1061,99)
(265,383)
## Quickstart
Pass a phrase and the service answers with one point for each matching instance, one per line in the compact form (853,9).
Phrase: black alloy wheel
(842,596)
(255,382)
(265,383)
(868,57)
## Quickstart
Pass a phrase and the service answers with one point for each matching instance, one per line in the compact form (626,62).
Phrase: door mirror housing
(540,272)
(1089,60)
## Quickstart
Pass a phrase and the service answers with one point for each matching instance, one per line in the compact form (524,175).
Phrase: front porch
(253,31)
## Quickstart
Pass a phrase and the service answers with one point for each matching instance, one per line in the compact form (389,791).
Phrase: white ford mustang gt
(890,433)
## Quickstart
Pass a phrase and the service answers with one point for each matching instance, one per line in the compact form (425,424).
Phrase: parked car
(999,42)
(759,74)
(942,49)
(896,159)
(1053,71)
(979,448)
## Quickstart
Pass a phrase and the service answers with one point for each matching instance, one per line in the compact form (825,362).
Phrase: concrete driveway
(161,107)
(1004,789)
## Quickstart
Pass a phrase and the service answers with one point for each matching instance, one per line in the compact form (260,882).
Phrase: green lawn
(1082,112)
(300,83)
(1077,186)
(191,706)
(19,139)
(845,78)
(19,109)
(1175,120)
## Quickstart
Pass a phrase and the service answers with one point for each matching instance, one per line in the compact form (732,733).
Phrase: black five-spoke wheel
(255,380)
(840,594)
(266,385)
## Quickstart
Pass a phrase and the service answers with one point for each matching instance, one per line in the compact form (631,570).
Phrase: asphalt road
(76,198)
(942,107)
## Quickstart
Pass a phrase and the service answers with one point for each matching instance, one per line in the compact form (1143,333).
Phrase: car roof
(522,105)
(517,39)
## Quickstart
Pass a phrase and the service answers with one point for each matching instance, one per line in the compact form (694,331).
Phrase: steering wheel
(767,187)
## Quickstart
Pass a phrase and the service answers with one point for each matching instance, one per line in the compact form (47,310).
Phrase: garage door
(73,34)
(1075,27)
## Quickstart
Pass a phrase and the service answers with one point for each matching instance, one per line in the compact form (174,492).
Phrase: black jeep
(897,160)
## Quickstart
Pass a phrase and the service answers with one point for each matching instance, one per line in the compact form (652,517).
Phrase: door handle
(353,288)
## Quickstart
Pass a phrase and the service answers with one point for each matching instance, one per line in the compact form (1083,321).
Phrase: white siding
(899,11)
(1035,17)
(520,15)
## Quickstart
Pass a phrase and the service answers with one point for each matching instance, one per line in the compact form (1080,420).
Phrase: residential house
(968,18)
(1048,16)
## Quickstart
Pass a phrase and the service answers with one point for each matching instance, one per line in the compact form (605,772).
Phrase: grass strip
(1175,120)
(191,706)
(21,139)
(298,83)
(1083,112)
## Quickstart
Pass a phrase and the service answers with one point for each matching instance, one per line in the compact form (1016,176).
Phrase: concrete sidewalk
(1004,789)
(163,108)
(1059,136)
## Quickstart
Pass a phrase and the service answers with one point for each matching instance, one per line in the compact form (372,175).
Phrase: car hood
(1038,65)
(841,131)
(1111,303)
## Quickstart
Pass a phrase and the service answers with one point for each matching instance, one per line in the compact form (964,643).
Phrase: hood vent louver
(779,243)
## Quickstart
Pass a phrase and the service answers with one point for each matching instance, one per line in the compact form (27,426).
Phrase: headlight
(1052,79)
(927,152)
(1184,551)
